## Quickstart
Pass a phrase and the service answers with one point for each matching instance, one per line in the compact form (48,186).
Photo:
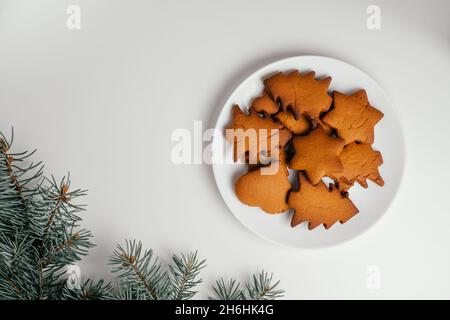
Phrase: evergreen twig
(261,288)
(89,290)
(37,230)
(184,272)
(138,269)
(227,290)
(40,238)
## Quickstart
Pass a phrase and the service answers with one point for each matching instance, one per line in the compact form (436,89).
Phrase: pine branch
(139,270)
(37,227)
(261,288)
(40,237)
(131,291)
(17,269)
(60,199)
(89,290)
(67,250)
(184,272)
(14,196)
(227,290)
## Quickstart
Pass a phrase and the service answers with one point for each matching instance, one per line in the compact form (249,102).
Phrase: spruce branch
(227,290)
(261,288)
(14,196)
(38,223)
(16,268)
(61,206)
(89,290)
(142,277)
(131,291)
(138,269)
(68,249)
(15,171)
(183,275)
(40,237)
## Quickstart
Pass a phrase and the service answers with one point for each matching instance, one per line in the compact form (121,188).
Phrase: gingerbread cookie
(252,120)
(294,118)
(328,130)
(318,154)
(361,97)
(353,118)
(319,205)
(296,126)
(300,92)
(360,163)
(265,104)
(263,148)
(265,190)
(251,132)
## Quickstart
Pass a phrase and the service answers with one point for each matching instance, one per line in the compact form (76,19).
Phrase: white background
(103,101)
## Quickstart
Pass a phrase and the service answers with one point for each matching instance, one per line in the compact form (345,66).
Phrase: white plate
(371,202)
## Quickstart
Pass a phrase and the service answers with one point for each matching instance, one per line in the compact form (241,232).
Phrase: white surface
(371,202)
(103,101)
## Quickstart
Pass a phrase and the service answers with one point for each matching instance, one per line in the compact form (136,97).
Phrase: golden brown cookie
(300,92)
(252,120)
(267,191)
(318,154)
(319,205)
(360,163)
(327,141)
(296,126)
(251,132)
(265,104)
(328,130)
(353,118)
(361,97)
(277,141)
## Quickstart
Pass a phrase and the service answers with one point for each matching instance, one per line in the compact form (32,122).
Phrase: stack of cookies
(317,135)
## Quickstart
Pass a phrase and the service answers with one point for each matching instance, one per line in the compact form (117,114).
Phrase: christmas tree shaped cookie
(319,205)
(301,93)
(251,132)
(360,163)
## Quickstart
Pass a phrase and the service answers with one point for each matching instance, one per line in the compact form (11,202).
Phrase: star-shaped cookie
(318,154)
(353,117)
(319,205)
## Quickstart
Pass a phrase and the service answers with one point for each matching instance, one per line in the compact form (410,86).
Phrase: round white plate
(371,202)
